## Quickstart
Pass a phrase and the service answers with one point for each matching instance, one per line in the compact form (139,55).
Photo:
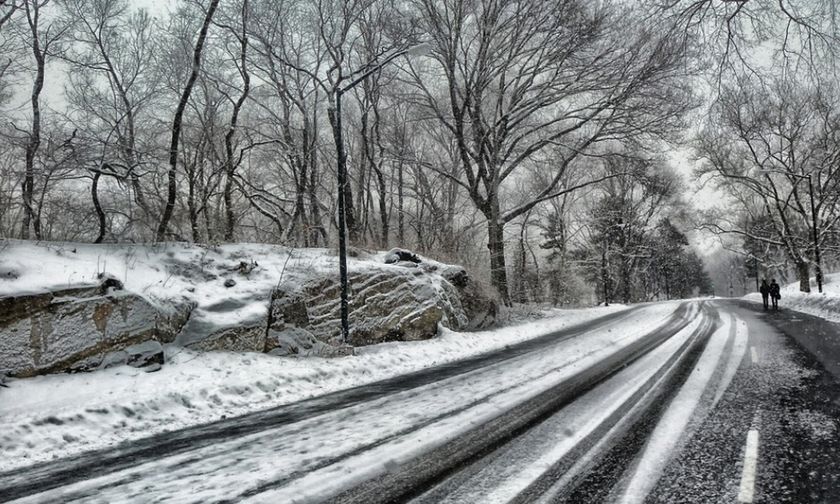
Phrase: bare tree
(290,105)
(8,44)
(240,34)
(7,10)
(42,36)
(800,30)
(112,84)
(525,80)
(202,159)
(178,119)
(369,96)
(779,144)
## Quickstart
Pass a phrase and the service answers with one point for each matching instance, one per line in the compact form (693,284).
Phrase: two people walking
(772,291)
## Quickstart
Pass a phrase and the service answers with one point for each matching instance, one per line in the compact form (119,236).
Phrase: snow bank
(221,297)
(58,415)
(825,305)
(165,272)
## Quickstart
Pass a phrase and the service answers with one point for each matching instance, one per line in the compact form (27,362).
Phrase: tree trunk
(204,193)
(28,186)
(625,280)
(496,245)
(383,209)
(317,228)
(625,266)
(100,214)
(605,275)
(420,229)
(350,213)
(400,205)
(191,208)
(176,125)
(227,197)
(35,136)
(299,214)
(804,274)
(520,293)
(230,165)
(380,177)
(208,224)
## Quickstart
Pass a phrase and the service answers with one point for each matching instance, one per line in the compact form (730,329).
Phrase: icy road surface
(695,402)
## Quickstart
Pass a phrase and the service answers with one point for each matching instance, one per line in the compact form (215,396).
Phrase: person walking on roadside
(765,293)
(775,294)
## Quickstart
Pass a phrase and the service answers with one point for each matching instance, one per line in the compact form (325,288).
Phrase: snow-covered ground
(170,272)
(824,305)
(53,416)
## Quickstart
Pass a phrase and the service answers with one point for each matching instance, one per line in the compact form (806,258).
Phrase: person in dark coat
(765,292)
(775,295)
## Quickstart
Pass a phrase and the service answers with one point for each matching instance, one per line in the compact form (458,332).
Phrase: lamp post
(815,233)
(334,113)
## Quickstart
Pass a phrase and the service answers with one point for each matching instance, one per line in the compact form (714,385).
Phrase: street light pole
(334,114)
(341,155)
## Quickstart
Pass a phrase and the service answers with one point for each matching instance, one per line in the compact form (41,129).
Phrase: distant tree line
(467,125)
(621,246)
(771,139)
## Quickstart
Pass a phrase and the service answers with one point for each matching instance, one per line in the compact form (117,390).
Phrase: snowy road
(665,402)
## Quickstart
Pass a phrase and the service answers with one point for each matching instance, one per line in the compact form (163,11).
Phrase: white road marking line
(754,355)
(739,348)
(756,421)
(672,427)
(750,462)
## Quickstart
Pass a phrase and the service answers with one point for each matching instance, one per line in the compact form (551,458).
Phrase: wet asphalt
(787,388)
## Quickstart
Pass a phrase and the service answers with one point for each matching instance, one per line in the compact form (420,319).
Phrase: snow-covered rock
(235,297)
(297,342)
(148,354)
(75,328)
(396,255)
(480,309)
(389,304)
(248,337)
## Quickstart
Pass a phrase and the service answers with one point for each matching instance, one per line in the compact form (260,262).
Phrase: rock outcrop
(246,337)
(288,331)
(404,302)
(147,355)
(77,327)
(397,255)
(96,326)
(479,309)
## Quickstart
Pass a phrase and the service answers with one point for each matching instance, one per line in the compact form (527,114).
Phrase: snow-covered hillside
(239,297)
(168,272)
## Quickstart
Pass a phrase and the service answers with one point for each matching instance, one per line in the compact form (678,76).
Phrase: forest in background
(528,140)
